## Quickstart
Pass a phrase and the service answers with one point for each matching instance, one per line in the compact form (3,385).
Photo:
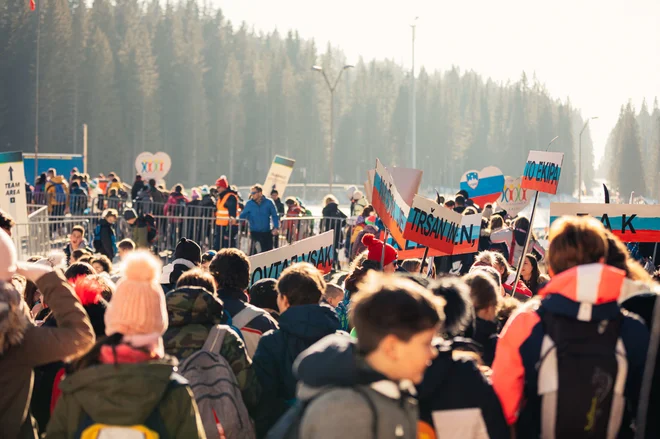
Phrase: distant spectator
(138,185)
(77,241)
(333,295)
(77,254)
(207,258)
(125,247)
(105,241)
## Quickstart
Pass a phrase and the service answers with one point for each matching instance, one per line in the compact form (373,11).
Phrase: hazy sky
(600,53)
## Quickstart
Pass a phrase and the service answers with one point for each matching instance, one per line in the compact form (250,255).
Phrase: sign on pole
(154,166)
(389,204)
(279,175)
(542,171)
(442,229)
(317,250)
(629,222)
(12,178)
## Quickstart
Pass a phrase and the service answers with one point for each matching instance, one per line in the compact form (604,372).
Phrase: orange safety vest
(222,213)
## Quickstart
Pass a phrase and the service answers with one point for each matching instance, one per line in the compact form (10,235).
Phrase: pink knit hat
(138,305)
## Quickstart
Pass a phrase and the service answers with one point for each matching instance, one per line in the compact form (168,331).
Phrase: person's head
(412,265)
(197,278)
(130,216)
(79,269)
(257,192)
(300,284)
(463,193)
(6,222)
(484,258)
(460,201)
(576,241)
(42,179)
(113,192)
(484,293)
(189,250)
(530,269)
(263,294)
(102,264)
(274,195)
(152,182)
(368,211)
(75,185)
(52,172)
(450,204)
(334,294)
(375,247)
(125,247)
(330,199)
(77,254)
(77,235)
(496,223)
(502,265)
(13,317)
(138,305)
(138,178)
(222,184)
(291,202)
(110,215)
(178,189)
(231,269)
(458,310)
(207,258)
(396,320)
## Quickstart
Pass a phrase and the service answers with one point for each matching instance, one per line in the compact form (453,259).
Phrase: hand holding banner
(542,171)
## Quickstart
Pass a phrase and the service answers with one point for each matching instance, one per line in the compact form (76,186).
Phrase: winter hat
(222,183)
(130,214)
(370,220)
(350,191)
(204,190)
(358,195)
(263,294)
(375,247)
(188,250)
(7,257)
(138,306)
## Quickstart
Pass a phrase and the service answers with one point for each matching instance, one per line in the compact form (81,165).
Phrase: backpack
(589,360)
(60,193)
(216,390)
(152,428)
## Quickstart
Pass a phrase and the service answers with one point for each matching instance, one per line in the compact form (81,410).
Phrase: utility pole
(414,99)
(36,95)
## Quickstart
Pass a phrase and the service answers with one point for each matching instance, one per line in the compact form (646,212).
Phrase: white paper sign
(279,175)
(154,166)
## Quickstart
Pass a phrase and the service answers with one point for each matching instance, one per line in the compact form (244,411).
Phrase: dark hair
(274,191)
(258,188)
(78,269)
(113,192)
(209,255)
(86,258)
(197,278)
(618,256)
(231,269)
(77,254)
(392,305)
(152,182)
(42,179)
(501,261)
(263,294)
(533,282)
(108,287)
(367,211)
(74,185)
(458,307)
(91,358)
(450,204)
(178,188)
(496,221)
(6,221)
(103,261)
(483,290)
(126,244)
(80,229)
(460,200)
(301,284)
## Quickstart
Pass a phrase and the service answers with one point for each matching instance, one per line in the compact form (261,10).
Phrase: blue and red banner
(483,186)
(388,204)
(542,171)
(629,222)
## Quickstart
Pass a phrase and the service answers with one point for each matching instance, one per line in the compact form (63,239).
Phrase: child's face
(415,355)
(98,267)
(111,219)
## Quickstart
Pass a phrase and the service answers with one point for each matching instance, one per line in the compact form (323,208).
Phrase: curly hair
(231,269)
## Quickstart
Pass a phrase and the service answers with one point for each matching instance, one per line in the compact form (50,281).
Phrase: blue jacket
(259,215)
(300,327)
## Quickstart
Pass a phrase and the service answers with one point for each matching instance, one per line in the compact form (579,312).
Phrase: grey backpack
(216,390)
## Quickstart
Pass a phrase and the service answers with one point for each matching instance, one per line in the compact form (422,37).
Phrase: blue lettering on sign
(387,197)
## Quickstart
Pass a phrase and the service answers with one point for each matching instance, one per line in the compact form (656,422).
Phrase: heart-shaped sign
(154,166)
(514,198)
(483,186)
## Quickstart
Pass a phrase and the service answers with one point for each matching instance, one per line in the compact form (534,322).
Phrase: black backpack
(581,377)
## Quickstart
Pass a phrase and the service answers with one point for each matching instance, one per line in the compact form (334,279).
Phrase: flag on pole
(33,5)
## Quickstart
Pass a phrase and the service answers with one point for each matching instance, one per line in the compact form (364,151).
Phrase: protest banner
(388,204)
(483,186)
(154,166)
(542,171)
(514,197)
(442,229)
(630,222)
(317,250)
(279,174)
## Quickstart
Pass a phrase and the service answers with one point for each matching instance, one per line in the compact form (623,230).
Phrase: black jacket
(105,240)
(300,327)
(457,384)
(484,333)
(138,185)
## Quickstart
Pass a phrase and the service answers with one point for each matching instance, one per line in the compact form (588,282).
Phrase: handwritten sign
(437,227)
(483,186)
(514,197)
(630,222)
(542,171)
(317,250)
(154,166)
(389,204)
(279,174)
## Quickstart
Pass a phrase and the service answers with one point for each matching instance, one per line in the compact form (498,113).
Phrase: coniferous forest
(222,98)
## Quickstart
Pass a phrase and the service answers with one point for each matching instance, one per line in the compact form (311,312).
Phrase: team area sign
(442,229)
(542,171)
(630,222)
(389,204)
(12,178)
(317,250)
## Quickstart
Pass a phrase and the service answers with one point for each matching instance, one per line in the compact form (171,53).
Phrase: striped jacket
(587,293)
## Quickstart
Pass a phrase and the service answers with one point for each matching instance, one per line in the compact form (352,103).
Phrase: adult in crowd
(126,380)
(143,228)
(261,213)
(602,349)
(512,241)
(187,255)
(484,293)
(138,185)
(231,270)
(24,346)
(530,274)
(333,219)
(105,240)
(303,321)
(57,193)
(264,295)
(227,210)
(275,196)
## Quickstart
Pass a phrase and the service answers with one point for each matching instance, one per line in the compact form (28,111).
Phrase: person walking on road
(260,212)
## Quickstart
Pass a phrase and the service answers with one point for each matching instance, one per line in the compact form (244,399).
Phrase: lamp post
(580,158)
(414,103)
(332,88)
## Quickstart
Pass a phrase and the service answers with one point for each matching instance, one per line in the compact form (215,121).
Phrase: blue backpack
(60,193)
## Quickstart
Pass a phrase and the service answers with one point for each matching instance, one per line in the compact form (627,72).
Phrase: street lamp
(332,88)
(413,98)
(580,158)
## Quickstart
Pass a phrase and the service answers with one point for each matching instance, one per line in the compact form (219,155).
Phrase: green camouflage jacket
(193,311)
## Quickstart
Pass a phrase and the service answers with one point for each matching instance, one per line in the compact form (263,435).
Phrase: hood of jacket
(124,394)
(173,271)
(309,322)
(332,362)
(331,210)
(586,292)
(193,305)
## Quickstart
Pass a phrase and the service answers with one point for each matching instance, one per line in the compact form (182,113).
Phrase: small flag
(33,5)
